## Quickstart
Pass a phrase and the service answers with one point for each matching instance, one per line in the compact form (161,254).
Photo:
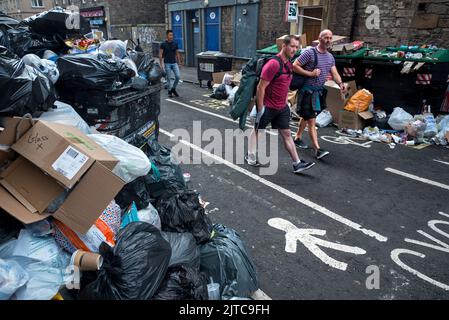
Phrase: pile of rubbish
(91,205)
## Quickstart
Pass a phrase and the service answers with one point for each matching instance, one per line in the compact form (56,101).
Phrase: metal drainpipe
(354,19)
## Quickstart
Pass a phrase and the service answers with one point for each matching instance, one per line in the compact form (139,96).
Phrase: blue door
(212,29)
(177,29)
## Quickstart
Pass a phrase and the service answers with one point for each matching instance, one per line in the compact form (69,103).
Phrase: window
(177,28)
(36,3)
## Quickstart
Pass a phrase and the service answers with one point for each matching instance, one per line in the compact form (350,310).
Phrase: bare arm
(337,77)
(161,61)
(260,93)
(178,56)
(297,68)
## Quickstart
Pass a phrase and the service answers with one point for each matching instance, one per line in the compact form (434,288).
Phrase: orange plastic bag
(360,101)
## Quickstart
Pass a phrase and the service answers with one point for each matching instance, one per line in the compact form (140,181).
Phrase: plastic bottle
(213,290)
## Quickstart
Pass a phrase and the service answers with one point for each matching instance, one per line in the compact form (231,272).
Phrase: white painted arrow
(308,239)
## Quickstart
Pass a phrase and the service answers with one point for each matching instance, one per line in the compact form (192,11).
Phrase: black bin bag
(132,270)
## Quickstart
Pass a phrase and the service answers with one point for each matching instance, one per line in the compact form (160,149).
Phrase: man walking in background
(169,59)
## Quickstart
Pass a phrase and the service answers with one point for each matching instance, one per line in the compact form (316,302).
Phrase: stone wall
(271,22)
(227,29)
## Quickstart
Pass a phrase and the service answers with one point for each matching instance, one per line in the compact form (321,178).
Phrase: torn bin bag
(24,88)
(183,212)
(134,268)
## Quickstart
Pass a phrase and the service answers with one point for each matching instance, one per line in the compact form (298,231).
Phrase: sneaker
(170,94)
(320,153)
(301,166)
(300,144)
(253,163)
(174,92)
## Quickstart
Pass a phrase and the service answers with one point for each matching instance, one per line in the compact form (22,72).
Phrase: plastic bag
(166,176)
(104,230)
(182,283)
(86,71)
(144,62)
(134,268)
(220,92)
(443,124)
(65,114)
(148,215)
(227,79)
(324,119)
(360,101)
(184,250)
(226,259)
(24,88)
(47,67)
(38,248)
(133,163)
(114,47)
(58,21)
(12,277)
(156,73)
(399,118)
(431,126)
(183,212)
(136,192)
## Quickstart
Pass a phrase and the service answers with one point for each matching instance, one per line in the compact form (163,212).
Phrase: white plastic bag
(47,67)
(114,47)
(150,215)
(12,277)
(133,162)
(65,114)
(431,126)
(227,79)
(324,119)
(399,118)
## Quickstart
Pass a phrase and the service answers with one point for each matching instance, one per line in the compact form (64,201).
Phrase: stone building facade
(21,9)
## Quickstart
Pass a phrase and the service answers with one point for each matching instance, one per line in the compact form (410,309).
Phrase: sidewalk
(189,74)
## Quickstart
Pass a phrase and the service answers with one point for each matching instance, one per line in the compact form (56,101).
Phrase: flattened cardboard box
(63,152)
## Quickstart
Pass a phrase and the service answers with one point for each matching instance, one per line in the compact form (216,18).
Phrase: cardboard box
(237,78)
(31,183)
(354,120)
(217,77)
(63,152)
(8,136)
(335,100)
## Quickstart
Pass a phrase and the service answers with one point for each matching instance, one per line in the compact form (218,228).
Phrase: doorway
(312,27)
(193,36)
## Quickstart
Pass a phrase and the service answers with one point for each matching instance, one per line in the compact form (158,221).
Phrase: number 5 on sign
(291,11)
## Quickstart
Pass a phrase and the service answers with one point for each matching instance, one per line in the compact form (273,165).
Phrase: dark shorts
(279,119)
(305,110)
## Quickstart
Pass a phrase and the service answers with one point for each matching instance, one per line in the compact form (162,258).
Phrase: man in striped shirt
(312,98)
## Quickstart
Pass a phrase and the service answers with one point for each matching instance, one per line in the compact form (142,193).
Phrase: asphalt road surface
(366,222)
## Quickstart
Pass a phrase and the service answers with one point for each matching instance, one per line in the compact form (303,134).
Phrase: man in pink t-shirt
(271,101)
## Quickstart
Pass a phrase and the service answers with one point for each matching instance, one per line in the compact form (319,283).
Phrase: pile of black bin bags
(179,261)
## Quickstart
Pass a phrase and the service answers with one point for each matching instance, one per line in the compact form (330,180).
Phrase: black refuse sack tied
(58,21)
(183,283)
(86,71)
(144,61)
(182,212)
(169,176)
(226,259)
(22,41)
(134,191)
(24,88)
(184,250)
(220,93)
(134,269)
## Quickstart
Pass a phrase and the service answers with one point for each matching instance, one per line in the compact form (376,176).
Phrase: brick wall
(271,22)
(400,22)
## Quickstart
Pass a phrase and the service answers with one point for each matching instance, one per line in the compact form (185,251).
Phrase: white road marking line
(285,192)
(214,114)
(423,180)
(441,161)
